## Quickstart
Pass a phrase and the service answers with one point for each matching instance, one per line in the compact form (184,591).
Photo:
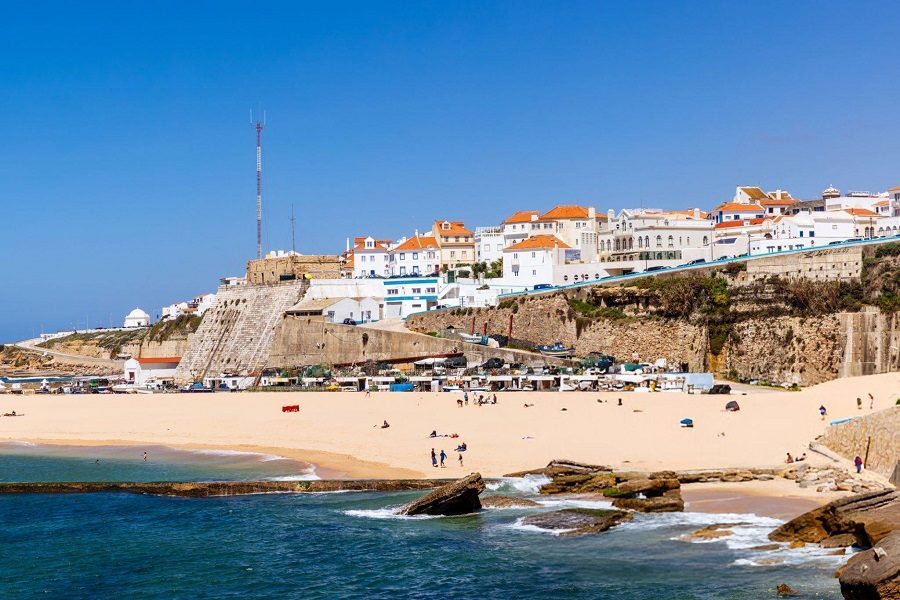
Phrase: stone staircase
(236,334)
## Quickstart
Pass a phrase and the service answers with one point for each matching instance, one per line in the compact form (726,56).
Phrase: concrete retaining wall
(883,428)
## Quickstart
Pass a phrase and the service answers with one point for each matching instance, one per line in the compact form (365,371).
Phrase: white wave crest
(386,513)
(576,503)
(529,484)
(310,476)
(518,525)
(262,457)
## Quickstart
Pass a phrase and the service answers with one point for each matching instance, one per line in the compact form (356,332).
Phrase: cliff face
(741,330)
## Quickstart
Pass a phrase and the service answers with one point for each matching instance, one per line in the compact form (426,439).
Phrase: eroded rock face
(875,573)
(865,518)
(783,590)
(712,532)
(670,501)
(455,498)
(507,502)
(578,521)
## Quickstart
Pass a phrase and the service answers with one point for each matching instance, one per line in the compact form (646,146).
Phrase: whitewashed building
(151,372)
(137,318)
(371,258)
(419,255)
(489,244)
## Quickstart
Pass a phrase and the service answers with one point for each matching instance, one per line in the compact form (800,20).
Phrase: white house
(489,244)
(533,261)
(521,226)
(419,255)
(370,257)
(336,310)
(406,295)
(155,371)
(653,235)
(137,318)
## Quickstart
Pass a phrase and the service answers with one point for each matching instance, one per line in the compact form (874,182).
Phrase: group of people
(790,459)
(480,402)
(443,457)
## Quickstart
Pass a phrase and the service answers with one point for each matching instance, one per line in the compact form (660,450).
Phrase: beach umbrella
(687,422)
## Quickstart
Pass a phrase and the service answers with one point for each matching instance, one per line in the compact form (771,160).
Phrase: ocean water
(353,545)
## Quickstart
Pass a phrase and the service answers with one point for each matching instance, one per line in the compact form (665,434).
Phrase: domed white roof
(137,314)
(831,191)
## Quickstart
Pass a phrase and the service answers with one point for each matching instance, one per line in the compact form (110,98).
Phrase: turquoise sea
(350,544)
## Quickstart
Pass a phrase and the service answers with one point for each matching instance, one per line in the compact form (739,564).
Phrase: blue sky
(127,168)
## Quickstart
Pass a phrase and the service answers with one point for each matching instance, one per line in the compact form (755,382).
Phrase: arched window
(646,241)
(671,242)
(617,246)
(640,242)
(630,243)
(705,240)
(659,241)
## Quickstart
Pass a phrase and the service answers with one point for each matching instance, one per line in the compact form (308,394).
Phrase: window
(534,255)
(403,270)
(417,290)
(402,256)
(431,290)
(415,256)
(453,254)
(456,238)
(671,242)
(534,272)
(705,240)
(392,292)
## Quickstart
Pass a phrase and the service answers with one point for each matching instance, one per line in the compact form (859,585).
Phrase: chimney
(697,214)
(592,213)
(610,215)
(348,244)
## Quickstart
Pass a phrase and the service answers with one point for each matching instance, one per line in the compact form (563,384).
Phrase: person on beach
(858,462)
(859,404)
(368,392)
(822,411)
(385,425)
(443,458)
(495,399)
(871,401)
(145,456)
(459,402)
(460,460)
(620,402)
(789,459)
(433,458)
(466,397)
(433,433)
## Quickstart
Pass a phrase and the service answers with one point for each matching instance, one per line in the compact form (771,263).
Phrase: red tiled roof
(456,228)
(565,211)
(523,216)
(739,223)
(777,202)
(861,212)
(538,242)
(159,360)
(418,242)
(737,207)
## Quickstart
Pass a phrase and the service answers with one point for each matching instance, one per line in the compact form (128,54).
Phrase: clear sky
(127,163)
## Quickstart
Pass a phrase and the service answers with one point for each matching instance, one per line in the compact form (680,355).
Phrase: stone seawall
(882,428)
(872,342)
(304,341)
(236,334)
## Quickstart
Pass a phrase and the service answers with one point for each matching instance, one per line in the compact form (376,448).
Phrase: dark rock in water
(456,498)
(875,573)
(866,517)
(765,547)
(785,591)
(578,521)
(507,502)
(715,531)
(670,501)
(648,487)
(841,540)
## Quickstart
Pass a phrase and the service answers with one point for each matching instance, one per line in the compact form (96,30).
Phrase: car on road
(656,268)
(349,322)
(697,261)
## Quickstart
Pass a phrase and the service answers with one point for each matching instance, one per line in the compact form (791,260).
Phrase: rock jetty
(455,498)
(874,573)
(507,502)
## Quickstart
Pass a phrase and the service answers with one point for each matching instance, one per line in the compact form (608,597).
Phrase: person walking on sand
(466,397)
(859,404)
(443,458)
(858,462)
(871,401)
(433,458)
(460,460)
(822,411)
(368,392)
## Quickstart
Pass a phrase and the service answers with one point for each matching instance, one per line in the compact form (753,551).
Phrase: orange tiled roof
(777,202)
(523,216)
(754,192)
(539,242)
(456,228)
(159,360)
(739,223)
(737,207)
(882,203)
(861,212)
(895,189)
(418,242)
(380,245)
(565,211)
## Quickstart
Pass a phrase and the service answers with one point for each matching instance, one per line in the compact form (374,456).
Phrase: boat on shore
(556,350)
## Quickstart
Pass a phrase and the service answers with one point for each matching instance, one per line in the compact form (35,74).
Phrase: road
(66,358)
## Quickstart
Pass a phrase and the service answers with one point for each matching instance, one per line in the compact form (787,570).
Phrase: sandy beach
(341,432)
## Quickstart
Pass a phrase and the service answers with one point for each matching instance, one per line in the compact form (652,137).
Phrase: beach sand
(341,433)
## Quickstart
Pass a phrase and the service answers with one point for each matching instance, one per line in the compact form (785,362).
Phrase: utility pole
(293,230)
(259,128)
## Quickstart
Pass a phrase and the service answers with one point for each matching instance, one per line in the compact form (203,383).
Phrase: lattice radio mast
(260,125)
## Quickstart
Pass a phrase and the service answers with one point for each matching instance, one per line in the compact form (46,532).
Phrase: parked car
(656,268)
(349,322)
(698,261)
(493,363)
(543,286)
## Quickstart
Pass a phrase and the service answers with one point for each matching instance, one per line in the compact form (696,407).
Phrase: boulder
(841,540)
(783,590)
(456,498)
(670,501)
(578,521)
(648,487)
(712,532)
(507,502)
(873,573)
(867,517)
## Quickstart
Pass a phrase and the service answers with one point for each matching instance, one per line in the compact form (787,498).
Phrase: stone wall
(174,346)
(305,341)
(805,351)
(293,266)
(872,342)
(236,334)
(828,264)
(544,319)
(883,428)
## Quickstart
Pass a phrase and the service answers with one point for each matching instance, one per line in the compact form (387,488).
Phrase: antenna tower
(259,128)
(293,227)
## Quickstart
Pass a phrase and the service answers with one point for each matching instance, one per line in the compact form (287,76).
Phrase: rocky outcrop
(455,498)
(783,590)
(578,521)
(712,532)
(862,520)
(669,501)
(507,502)
(221,488)
(874,573)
